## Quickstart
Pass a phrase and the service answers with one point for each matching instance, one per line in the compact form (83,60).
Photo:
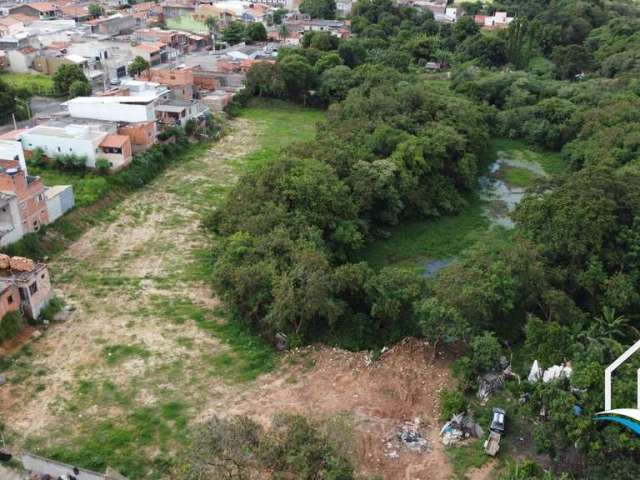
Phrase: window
(33,288)
(10,299)
(42,276)
(59,149)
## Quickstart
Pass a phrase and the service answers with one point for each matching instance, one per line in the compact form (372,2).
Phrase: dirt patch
(379,396)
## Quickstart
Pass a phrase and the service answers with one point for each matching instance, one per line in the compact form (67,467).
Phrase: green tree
(256,32)
(79,89)
(297,74)
(327,61)
(485,352)
(138,66)
(325,9)
(95,9)
(335,83)
(65,76)
(211,23)
(7,101)
(234,33)
(283,32)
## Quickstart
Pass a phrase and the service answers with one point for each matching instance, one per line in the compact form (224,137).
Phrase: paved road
(40,106)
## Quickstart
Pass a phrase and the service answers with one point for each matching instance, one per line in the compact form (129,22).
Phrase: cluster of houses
(446,12)
(41,36)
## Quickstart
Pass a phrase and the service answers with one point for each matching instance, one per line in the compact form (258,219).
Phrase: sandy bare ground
(126,279)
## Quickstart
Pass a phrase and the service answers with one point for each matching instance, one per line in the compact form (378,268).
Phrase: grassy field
(149,350)
(36,84)
(285,124)
(188,23)
(412,244)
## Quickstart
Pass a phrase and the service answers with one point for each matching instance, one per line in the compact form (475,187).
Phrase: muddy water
(499,199)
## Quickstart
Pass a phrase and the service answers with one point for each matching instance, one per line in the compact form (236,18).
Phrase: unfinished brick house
(142,135)
(178,80)
(28,193)
(24,286)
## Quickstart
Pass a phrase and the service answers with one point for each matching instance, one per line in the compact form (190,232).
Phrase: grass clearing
(280,123)
(551,162)
(115,354)
(412,244)
(465,457)
(35,84)
(517,176)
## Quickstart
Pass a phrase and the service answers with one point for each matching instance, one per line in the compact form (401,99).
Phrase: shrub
(50,311)
(452,402)
(103,165)
(10,325)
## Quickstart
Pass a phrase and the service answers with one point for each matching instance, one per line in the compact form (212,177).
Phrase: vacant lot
(147,352)
(145,349)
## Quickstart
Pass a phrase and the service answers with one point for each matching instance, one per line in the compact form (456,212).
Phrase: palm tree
(284,32)
(212,24)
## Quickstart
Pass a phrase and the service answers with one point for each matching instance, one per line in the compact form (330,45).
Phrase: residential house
(173,39)
(20,60)
(118,24)
(29,194)
(117,150)
(154,53)
(79,13)
(178,113)
(176,10)
(10,26)
(12,150)
(178,80)
(496,21)
(142,135)
(344,7)
(24,286)
(39,10)
(92,141)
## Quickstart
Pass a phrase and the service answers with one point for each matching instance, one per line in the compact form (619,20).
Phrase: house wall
(20,62)
(49,65)
(10,217)
(34,303)
(54,145)
(60,201)
(12,150)
(9,300)
(114,112)
(142,135)
(31,199)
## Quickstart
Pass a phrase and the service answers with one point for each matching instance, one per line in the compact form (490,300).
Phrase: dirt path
(133,344)
(120,276)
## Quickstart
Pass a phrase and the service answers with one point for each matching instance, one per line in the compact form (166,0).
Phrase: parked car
(497,420)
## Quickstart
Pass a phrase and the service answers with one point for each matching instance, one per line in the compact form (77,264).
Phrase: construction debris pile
(19,264)
(407,435)
(460,427)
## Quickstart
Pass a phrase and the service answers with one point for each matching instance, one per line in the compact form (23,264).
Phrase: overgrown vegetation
(10,325)
(562,286)
(237,447)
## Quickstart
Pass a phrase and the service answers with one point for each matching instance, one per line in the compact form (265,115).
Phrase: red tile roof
(114,141)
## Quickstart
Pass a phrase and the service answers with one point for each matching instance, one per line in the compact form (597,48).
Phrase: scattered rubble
(407,435)
(459,428)
(488,384)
